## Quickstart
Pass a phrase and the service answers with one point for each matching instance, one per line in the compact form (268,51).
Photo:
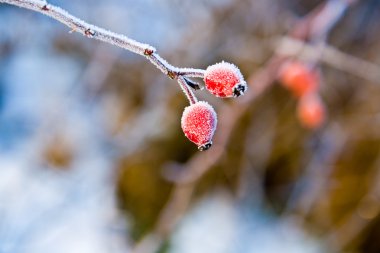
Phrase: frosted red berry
(299,78)
(199,123)
(224,80)
(311,111)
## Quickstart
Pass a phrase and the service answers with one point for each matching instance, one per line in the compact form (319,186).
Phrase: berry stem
(188,72)
(186,89)
(98,33)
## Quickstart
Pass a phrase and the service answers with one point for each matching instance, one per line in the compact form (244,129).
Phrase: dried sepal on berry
(198,123)
(224,80)
(299,78)
(194,85)
(311,111)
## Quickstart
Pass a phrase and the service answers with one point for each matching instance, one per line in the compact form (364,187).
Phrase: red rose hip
(311,111)
(299,78)
(199,123)
(225,80)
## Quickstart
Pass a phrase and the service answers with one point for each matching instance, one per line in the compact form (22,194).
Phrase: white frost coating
(225,65)
(161,63)
(190,72)
(165,67)
(81,26)
(92,31)
(224,79)
(192,124)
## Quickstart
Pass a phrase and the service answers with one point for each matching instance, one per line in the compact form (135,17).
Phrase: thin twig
(95,32)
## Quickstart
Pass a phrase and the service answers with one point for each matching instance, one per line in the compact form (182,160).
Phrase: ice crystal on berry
(199,123)
(225,80)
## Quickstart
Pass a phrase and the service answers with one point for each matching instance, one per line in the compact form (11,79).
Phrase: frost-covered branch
(95,32)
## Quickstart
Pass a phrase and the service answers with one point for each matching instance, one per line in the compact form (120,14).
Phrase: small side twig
(188,92)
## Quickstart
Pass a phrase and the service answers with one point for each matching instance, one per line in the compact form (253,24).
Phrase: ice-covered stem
(188,92)
(95,32)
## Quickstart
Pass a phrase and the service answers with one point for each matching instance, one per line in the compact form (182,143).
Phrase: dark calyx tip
(240,89)
(206,146)
(192,84)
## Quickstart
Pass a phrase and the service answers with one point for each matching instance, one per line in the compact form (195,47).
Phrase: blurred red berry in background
(297,77)
(311,111)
